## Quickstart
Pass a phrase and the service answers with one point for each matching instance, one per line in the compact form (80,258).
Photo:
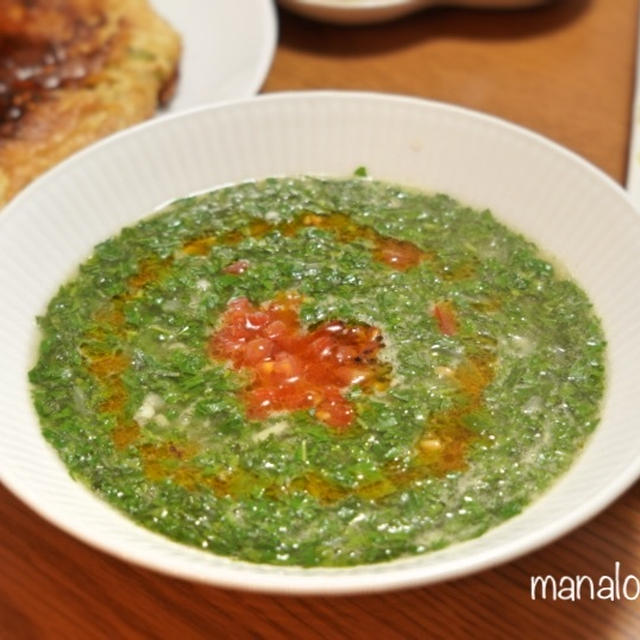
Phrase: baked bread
(73,71)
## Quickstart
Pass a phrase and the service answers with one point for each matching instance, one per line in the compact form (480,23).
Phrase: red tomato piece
(275,329)
(257,350)
(399,254)
(335,326)
(335,410)
(321,347)
(261,402)
(236,268)
(346,353)
(349,375)
(287,368)
(445,316)
(256,320)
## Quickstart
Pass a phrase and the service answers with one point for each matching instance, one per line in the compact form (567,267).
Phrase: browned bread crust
(73,71)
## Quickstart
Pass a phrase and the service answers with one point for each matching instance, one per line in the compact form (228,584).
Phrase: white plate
(569,207)
(228,47)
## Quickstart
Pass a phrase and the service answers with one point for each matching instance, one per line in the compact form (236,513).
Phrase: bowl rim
(343,580)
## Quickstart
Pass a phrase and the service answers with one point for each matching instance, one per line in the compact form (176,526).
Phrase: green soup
(318,372)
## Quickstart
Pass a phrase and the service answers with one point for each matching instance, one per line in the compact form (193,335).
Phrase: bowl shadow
(433,22)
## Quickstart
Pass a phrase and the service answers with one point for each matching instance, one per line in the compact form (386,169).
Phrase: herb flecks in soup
(318,372)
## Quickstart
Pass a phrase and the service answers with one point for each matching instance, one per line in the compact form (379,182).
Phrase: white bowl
(567,206)
(372,11)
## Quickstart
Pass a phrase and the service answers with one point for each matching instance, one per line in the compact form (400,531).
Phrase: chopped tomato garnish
(294,369)
(445,316)
(399,254)
(236,268)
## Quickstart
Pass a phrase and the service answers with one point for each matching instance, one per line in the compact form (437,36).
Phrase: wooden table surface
(565,70)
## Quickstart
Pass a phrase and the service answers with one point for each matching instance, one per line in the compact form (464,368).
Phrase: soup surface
(318,372)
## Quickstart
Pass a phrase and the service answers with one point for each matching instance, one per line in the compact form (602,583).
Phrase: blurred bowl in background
(373,11)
